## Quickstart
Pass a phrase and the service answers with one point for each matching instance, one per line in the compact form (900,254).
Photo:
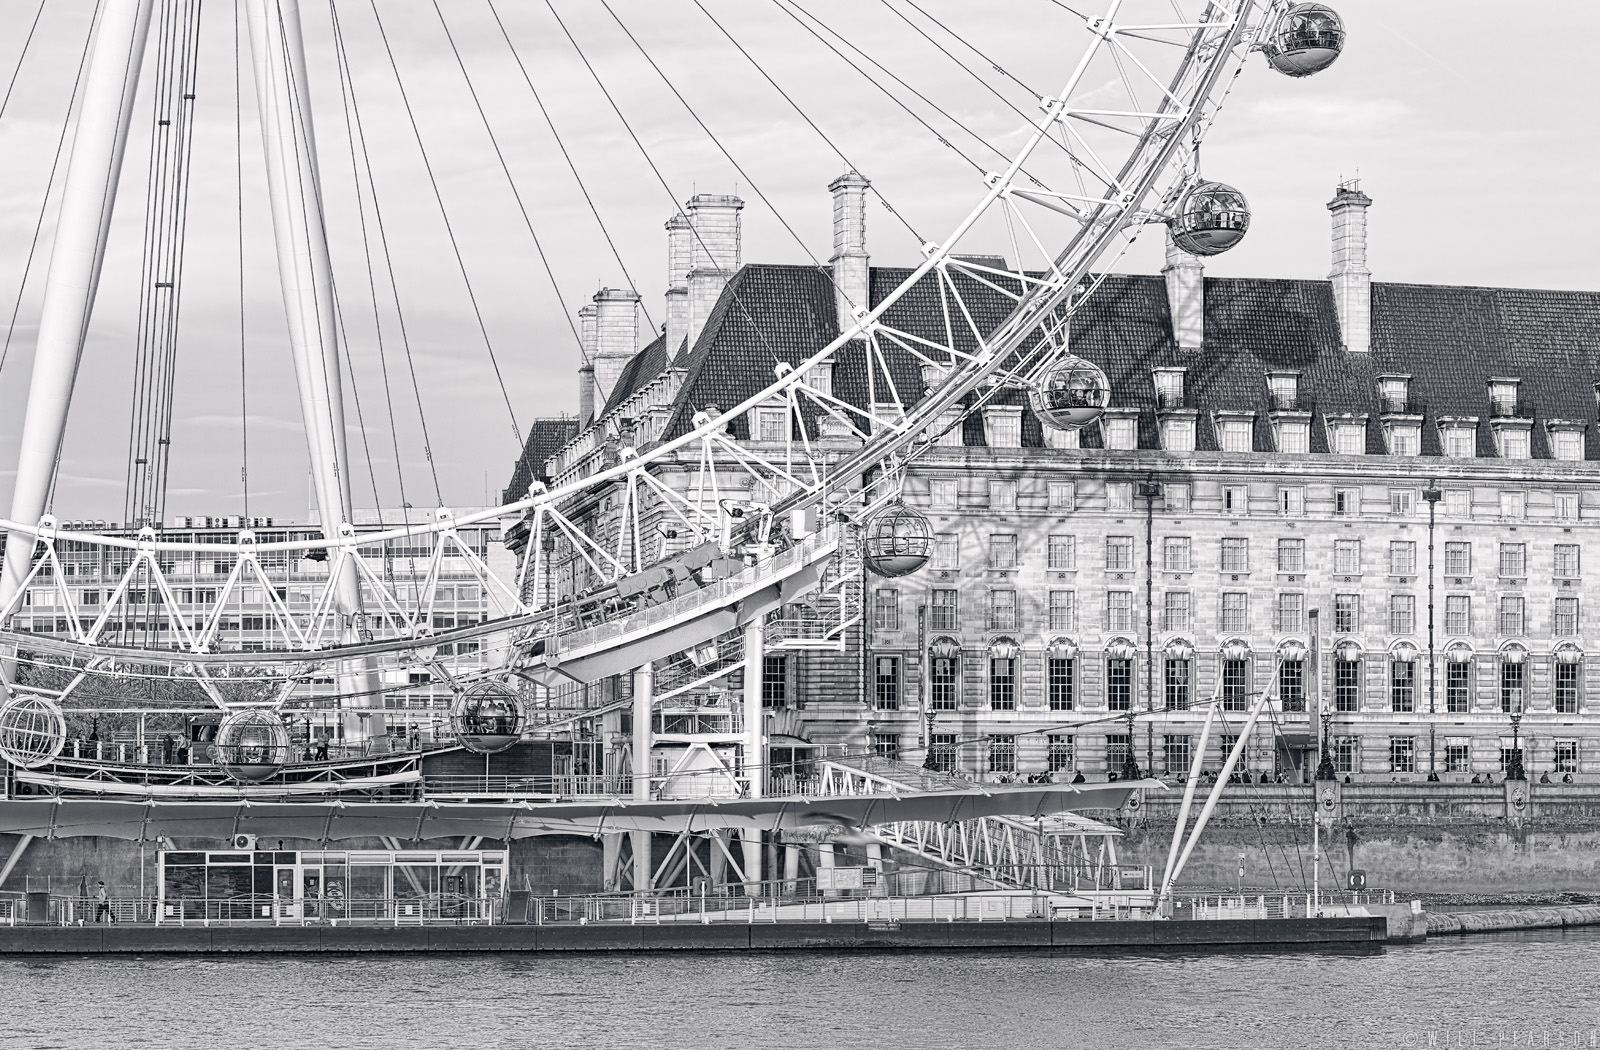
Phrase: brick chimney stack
(680,244)
(586,406)
(1352,281)
(1186,297)
(850,262)
(714,254)
(616,337)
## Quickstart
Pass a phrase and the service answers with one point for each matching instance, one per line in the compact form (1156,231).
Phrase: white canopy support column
(644,689)
(1196,764)
(305,271)
(88,198)
(755,755)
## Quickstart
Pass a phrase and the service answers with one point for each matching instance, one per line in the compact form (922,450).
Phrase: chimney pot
(1351,280)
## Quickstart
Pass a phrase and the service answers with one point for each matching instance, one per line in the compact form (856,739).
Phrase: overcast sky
(1465,126)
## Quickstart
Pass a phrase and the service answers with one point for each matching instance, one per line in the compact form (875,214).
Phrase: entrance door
(286,904)
(310,893)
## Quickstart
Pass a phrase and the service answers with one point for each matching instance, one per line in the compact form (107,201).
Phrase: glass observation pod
(897,541)
(293,887)
(1306,40)
(1212,217)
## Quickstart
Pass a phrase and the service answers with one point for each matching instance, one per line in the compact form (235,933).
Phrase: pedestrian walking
(102,904)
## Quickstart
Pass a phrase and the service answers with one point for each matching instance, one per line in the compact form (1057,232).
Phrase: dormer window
(1284,390)
(1505,398)
(1236,431)
(1404,439)
(771,423)
(1177,433)
(1169,388)
(1002,426)
(1458,436)
(1566,439)
(820,378)
(1062,439)
(1293,435)
(1121,428)
(1347,435)
(1394,395)
(1513,440)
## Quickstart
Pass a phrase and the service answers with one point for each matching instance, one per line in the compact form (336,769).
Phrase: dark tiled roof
(641,368)
(1450,339)
(545,438)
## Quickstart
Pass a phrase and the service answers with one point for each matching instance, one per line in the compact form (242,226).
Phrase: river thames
(1512,990)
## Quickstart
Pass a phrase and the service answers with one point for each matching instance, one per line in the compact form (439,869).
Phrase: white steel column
(283,100)
(644,688)
(755,755)
(87,200)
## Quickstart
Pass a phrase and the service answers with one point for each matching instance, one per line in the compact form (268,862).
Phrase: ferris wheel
(1106,153)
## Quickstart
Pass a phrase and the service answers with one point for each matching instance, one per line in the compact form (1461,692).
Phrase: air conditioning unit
(244,842)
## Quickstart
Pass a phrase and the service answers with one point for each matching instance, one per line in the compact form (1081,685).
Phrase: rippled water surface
(1511,990)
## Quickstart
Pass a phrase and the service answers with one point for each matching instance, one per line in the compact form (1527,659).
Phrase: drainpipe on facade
(1432,495)
(1150,492)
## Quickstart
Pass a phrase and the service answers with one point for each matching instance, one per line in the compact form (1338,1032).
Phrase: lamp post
(1151,493)
(1514,765)
(927,761)
(1325,770)
(1432,495)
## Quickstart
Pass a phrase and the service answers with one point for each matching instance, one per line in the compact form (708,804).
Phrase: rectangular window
(1122,433)
(1235,499)
(1175,554)
(1294,437)
(1567,561)
(1003,496)
(1460,442)
(943,493)
(943,612)
(1119,553)
(1349,439)
(1345,751)
(1513,559)
(1513,505)
(1346,613)
(1062,495)
(1058,683)
(1402,754)
(1235,611)
(1062,756)
(1291,613)
(1002,754)
(1174,497)
(1063,553)
(1514,442)
(942,753)
(1176,614)
(1458,758)
(1119,610)
(1119,495)
(1002,684)
(775,680)
(1404,440)
(946,551)
(886,683)
(1292,501)
(1119,684)
(1003,610)
(1457,614)
(1512,614)
(1292,684)
(1003,551)
(1347,502)
(1235,685)
(1403,502)
(1402,613)
(1347,557)
(1566,616)
(1178,754)
(1292,555)
(772,424)
(1457,687)
(1117,751)
(1511,683)
(1566,506)
(942,684)
(1402,558)
(1566,444)
(1402,685)
(1567,688)
(1235,435)
(1063,610)
(1566,756)
(1458,558)
(1177,434)
(886,609)
(1179,674)
(1347,685)
(886,745)
(1235,554)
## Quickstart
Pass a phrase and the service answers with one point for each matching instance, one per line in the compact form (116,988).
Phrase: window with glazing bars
(886,609)
(1119,553)
(1457,614)
(1457,558)
(942,755)
(1119,684)
(1003,550)
(1117,751)
(1177,678)
(1292,684)
(1511,683)
(1175,611)
(942,684)
(1175,556)
(1347,557)
(1567,688)
(1347,685)
(1063,553)
(1119,610)
(1235,685)
(1061,754)
(1512,613)
(1344,755)
(1235,554)
(774,680)
(942,615)
(1457,687)
(1002,683)
(1566,756)
(1235,611)
(1458,758)
(1402,754)
(1002,610)
(1402,558)
(1177,752)
(1567,561)
(886,683)
(1566,616)
(1513,559)
(1402,685)
(1058,683)
(1002,753)
(1346,613)
(1063,610)
(1402,613)
(1291,613)
(1292,555)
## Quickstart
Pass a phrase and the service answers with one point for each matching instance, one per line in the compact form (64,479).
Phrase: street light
(1151,493)
(1432,496)
(1514,764)
(1325,770)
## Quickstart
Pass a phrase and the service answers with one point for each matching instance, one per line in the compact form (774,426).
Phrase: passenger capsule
(487,717)
(897,541)
(1212,217)
(1306,40)
(32,731)
(1073,394)
(252,745)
